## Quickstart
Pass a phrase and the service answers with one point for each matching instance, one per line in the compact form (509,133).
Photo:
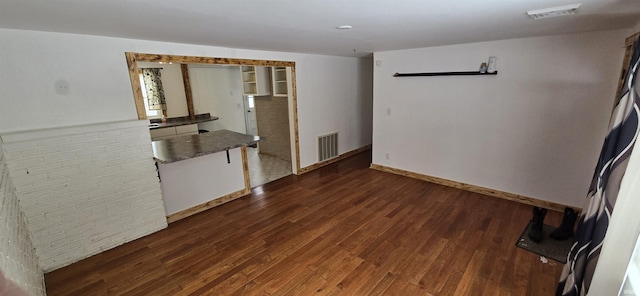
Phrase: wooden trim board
(135,85)
(294,99)
(629,44)
(477,189)
(631,40)
(332,160)
(245,169)
(166,58)
(207,205)
(186,81)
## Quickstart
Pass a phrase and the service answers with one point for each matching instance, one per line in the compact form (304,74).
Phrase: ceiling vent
(554,11)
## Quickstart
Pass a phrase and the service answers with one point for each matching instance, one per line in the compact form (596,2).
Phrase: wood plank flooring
(340,230)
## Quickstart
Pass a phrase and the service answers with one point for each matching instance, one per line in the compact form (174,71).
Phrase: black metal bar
(158,171)
(467,73)
(228,158)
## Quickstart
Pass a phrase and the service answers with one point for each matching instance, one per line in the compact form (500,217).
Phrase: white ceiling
(309,25)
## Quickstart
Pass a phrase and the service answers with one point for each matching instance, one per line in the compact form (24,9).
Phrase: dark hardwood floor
(340,230)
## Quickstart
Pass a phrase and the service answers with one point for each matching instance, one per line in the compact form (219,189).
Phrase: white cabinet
(162,133)
(279,78)
(255,80)
(171,132)
(191,129)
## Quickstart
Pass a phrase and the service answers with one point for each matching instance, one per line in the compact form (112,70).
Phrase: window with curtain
(153,89)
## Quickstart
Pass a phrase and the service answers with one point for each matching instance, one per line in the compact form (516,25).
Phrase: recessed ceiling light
(344,27)
(554,11)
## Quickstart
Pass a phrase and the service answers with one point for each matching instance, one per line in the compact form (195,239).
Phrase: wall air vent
(554,11)
(327,146)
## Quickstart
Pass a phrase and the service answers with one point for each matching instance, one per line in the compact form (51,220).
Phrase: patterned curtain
(153,86)
(601,198)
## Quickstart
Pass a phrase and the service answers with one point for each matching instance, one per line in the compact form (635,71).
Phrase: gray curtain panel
(605,185)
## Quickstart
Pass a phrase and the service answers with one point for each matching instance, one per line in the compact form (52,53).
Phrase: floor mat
(548,247)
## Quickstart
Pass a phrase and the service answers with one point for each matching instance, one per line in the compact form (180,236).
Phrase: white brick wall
(18,260)
(85,189)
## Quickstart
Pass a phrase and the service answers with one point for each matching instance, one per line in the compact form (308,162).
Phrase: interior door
(250,115)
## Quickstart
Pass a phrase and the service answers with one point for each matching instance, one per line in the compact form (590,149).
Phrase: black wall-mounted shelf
(468,73)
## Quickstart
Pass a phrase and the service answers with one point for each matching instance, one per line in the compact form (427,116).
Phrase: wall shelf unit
(464,73)
(255,80)
(279,81)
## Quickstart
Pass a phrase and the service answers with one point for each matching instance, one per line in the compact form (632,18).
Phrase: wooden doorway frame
(133,58)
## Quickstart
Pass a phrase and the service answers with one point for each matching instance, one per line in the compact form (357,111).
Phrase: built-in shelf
(255,80)
(279,81)
(467,73)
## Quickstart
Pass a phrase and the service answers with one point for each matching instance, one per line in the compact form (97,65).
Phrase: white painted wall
(535,129)
(218,91)
(635,29)
(18,259)
(343,90)
(173,86)
(330,94)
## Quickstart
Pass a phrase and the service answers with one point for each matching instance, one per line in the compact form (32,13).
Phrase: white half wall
(85,189)
(18,259)
(193,182)
(535,129)
(331,93)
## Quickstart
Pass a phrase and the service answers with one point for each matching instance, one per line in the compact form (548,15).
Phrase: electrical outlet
(386,155)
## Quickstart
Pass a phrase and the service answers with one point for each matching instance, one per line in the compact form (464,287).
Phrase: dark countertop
(178,121)
(190,146)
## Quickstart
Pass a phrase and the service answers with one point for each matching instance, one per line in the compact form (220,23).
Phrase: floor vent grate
(327,146)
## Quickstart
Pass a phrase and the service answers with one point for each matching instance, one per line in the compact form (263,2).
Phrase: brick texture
(85,189)
(18,259)
(272,119)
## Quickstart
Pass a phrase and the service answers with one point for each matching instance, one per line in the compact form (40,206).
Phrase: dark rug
(548,247)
